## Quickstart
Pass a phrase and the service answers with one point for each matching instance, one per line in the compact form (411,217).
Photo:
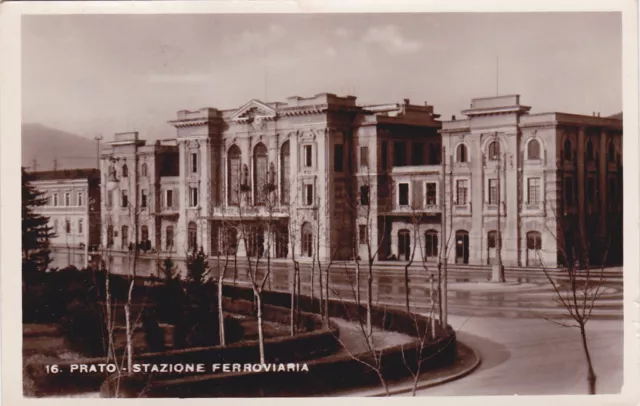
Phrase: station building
(324,177)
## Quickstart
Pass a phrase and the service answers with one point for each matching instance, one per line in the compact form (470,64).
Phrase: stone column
(509,192)
(180,234)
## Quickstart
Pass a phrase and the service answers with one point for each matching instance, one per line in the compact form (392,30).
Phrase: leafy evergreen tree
(36,231)
(197,268)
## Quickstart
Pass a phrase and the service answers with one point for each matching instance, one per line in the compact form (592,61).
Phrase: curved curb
(428,383)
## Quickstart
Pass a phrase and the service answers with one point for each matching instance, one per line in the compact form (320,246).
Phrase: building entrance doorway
(404,245)
(462,247)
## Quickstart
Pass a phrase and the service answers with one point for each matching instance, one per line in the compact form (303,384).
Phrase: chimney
(406,101)
(598,114)
(453,118)
(593,114)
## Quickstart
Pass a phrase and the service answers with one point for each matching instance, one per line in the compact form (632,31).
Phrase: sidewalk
(468,360)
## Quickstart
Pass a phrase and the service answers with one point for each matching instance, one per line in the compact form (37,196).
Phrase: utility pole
(498,268)
(444,244)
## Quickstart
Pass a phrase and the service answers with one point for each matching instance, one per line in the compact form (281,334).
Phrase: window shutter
(416,196)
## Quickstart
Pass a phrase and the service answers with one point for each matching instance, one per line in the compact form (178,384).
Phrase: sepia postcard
(320,199)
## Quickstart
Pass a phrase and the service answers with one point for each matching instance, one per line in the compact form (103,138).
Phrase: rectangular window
(67,199)
(362,233)
(80,230)
(384,155)
(308,156)
(169,201)
(364,195)
(533,188)
(364,157)
(493,191)
(109,198)
(194,163)
(55,199)
(143,198)
(193,196)
(338,157)
(80,199)
(67,226)
(591,190)
(55,226)
(403,194)
(431,194)
(417,153)
(308,194)
(399,153)
(568,191)
(124,202)
(462,191)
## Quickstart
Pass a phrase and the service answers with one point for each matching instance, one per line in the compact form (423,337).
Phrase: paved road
(536,357)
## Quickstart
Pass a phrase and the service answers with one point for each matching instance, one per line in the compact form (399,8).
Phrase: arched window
(492,239)
(494,150)
(493,245)
(404,245)
(461,153)
(307,240)
(125,236)
(431,243)
(125,171)
(233,174)
(112,171)
(192,236)
(144,233)
(260,174)
(590,155)
(534,246)
(462,247)
(284,173)
(611,152)
(568,153)
(169,238)
(143,170)
(533,149)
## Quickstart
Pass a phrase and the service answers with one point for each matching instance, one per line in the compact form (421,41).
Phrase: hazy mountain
(45,144)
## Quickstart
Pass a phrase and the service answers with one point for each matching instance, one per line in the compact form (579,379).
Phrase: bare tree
(579,285)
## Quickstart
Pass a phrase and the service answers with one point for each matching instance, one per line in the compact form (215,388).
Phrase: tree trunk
(591,375)
(326,296)
(110,349)
(440,310)
(260,332)
(370,302)
(221,312)
(406,287)
(129,336)
(293,301)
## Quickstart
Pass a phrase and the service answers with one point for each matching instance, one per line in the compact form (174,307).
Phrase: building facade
(73,209)
(532,189)
(323,177)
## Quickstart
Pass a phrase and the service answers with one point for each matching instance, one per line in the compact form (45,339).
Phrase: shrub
(84,328)
(153,333)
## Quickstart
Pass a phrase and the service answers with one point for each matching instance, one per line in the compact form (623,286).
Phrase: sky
(101,74)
